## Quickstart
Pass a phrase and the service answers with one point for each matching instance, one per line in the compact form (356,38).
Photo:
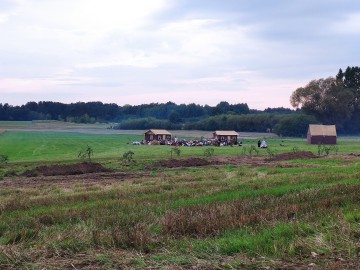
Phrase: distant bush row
(284,125)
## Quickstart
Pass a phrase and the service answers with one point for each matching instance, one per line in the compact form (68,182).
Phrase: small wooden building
(321,134)
(157,134)
(226,135)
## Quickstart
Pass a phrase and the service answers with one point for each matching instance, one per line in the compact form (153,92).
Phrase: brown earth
(239,160)
(64,181)
(64,176)
(70,169)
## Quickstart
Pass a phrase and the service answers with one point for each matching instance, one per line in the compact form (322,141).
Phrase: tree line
(91,112)
(160,115)
(295,124)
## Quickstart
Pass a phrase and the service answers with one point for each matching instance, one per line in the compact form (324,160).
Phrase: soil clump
(69,169)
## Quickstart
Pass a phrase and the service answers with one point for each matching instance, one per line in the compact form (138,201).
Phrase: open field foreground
(293,206)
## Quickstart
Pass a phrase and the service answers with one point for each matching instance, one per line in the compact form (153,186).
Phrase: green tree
(174,117)
(326,99)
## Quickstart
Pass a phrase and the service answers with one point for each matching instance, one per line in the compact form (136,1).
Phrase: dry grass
(210,220)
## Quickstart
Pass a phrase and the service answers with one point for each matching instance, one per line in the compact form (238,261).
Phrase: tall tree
(325,99)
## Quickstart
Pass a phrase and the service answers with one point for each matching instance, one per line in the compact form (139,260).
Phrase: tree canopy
(334,100)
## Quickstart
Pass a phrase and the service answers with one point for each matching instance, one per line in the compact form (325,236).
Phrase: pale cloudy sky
(203,51)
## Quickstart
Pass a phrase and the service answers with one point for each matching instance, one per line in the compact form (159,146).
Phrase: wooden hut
(157,134)
(321,134)
(226,135)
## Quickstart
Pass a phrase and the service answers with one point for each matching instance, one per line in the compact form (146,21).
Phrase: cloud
(180,50)
(348,25)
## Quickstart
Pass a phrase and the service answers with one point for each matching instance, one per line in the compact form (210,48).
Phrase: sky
(185,51)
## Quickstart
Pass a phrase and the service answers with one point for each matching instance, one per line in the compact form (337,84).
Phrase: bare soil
(239,160)
(65,175)
(70,169)
(64,181)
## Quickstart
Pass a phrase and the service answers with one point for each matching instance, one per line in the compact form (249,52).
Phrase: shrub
(4,159)
(128,156)
(209,152)
(87,152)
(327,149)
(175,150)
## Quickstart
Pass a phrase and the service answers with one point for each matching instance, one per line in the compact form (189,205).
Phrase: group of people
(183,142)
(202,142)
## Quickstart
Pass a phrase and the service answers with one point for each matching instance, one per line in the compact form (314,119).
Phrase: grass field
(44,146)
(290,214)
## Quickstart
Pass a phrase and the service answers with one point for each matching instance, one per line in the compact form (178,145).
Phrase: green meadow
(21,146)
(269,215)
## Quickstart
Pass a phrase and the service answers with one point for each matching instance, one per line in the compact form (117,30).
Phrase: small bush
(175,150)
(327,149)
(87,152)
(4,159)
(128,156)
(209,152)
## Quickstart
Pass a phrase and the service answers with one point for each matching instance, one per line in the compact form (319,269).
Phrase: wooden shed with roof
(157,134)
(321,134)
(226,135)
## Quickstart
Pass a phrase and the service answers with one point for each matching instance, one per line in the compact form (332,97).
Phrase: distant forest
(334,100)
(161,115)
(92,112)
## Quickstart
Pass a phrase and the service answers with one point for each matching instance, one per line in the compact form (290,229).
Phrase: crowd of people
(201,142)
(184,142)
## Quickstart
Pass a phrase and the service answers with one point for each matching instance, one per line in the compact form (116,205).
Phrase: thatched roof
(226,133)
(322,130)
(158,132)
